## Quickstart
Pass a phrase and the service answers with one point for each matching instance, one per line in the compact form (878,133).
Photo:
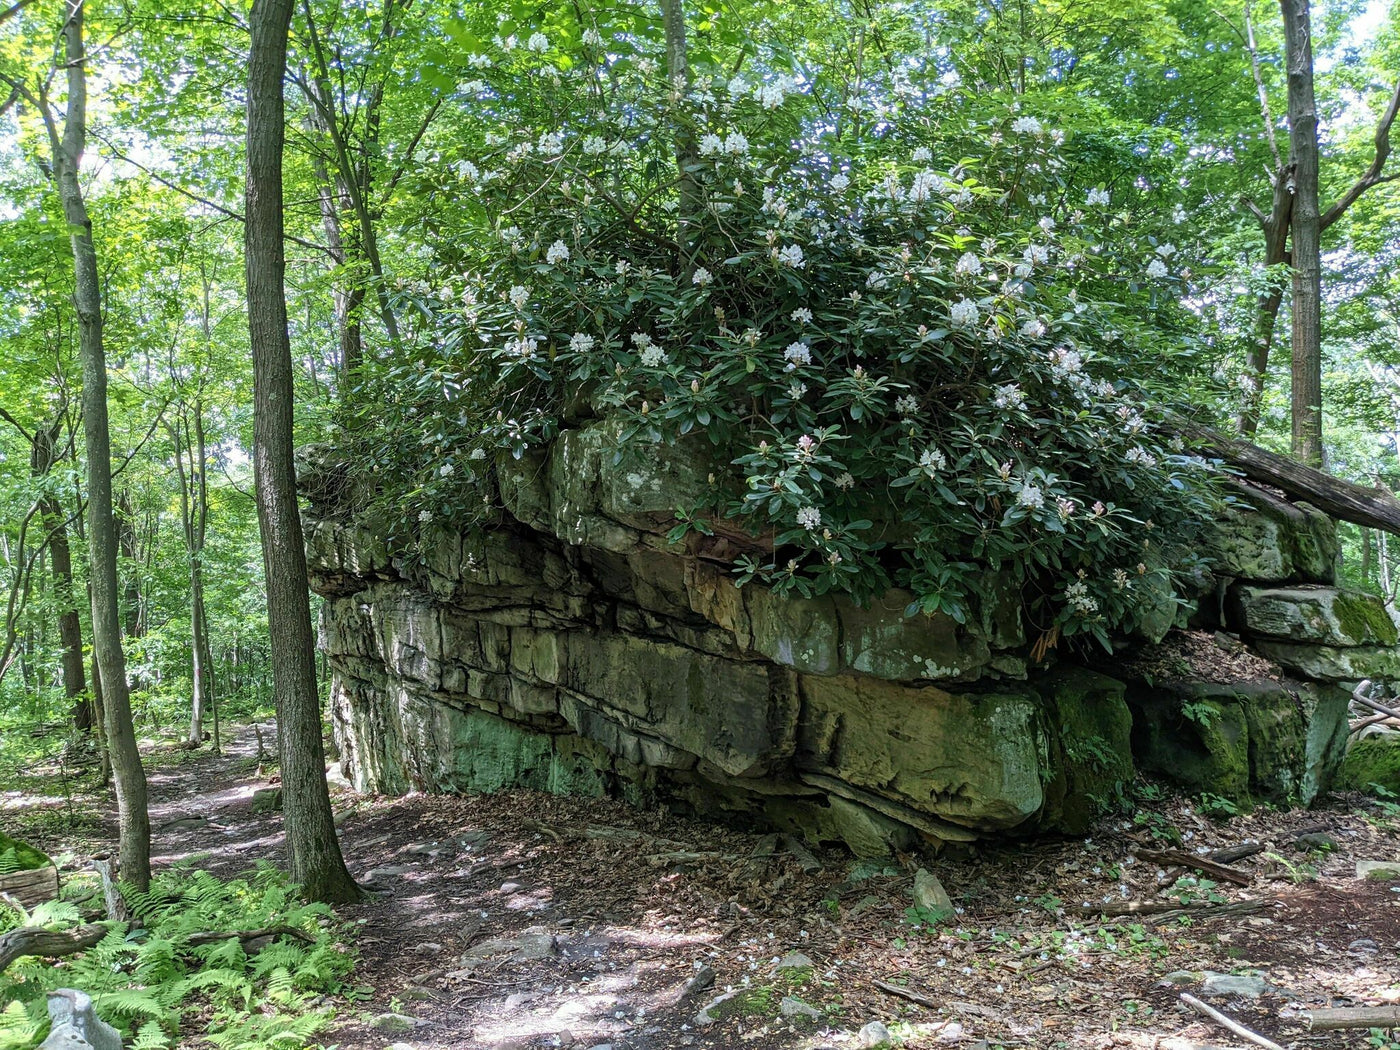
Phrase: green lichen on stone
(1364,616)
(1192,734)
(1372,760)
(19,856)
(492,754)
(1090,730)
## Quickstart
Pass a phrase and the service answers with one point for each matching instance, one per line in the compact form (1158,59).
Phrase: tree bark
(312,847)
(132,819)
(1306,229)
(43,455)
(1368,507)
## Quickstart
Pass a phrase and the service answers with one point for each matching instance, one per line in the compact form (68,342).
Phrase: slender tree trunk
(312,846)
(354,183)
(1306,230)
(687,151)
(132,819)
(349,293)
(1274,227)
(70,627)
(130,550)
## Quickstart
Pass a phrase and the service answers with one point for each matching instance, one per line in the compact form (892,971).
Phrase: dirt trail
(524,920)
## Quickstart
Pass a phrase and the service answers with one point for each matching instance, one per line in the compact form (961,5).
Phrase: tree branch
(190,194)
(1372,176)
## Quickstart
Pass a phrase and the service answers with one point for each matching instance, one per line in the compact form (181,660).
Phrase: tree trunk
(70,628)
(312,847)
(1274,227)
(132,620)
(1306,229)
(687,151)
(132,819)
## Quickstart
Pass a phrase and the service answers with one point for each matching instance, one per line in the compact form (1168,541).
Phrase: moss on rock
(19,856)
(1091,728)
(1372,760)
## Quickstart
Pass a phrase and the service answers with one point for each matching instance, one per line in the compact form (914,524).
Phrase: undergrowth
(148,979)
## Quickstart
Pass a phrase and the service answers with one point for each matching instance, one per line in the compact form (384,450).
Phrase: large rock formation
(571,648)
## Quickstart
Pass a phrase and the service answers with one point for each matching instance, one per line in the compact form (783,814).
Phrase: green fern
(147,978)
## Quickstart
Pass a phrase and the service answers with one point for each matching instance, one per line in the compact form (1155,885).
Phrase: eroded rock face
(571,648)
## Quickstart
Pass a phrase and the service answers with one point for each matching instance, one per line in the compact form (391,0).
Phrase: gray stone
(526,947)
(76,1025)
(1330,663)
(568,646)
(793,1008)
(388,871)
(794,961)
(391,1022)
(1222,985)
(267,800)
(1178,979)
(714,1009)
(1383,870)
(968,760)
(882,641)
(1265,538)
(873,1034)
(1313,614)
(930,897)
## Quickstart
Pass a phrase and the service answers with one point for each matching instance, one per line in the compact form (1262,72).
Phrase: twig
(1225,1022)
(905,993)
(1358,696)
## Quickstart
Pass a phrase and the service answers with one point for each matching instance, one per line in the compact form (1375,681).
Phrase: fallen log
(1181,859)
(1334,1018)
(1358,696)
(1369,507)
(31,887)
(247,936)
(50,944)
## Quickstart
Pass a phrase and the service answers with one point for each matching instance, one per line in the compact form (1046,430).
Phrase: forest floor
(524,920)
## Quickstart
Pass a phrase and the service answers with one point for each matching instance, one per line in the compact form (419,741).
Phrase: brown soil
(638,904)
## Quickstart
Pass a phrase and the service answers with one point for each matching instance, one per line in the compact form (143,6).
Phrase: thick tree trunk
(133,821)
(1306,229)
(312,846)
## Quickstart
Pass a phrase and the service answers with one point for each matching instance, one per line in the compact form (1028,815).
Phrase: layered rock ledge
(571,648)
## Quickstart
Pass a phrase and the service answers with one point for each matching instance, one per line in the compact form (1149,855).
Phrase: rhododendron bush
(933,337)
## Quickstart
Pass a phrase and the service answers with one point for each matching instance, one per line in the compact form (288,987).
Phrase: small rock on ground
(1228,984)
(1377,869)
(929,894)
(873,1034)
(795,961)
(793,1007)
(393,1023)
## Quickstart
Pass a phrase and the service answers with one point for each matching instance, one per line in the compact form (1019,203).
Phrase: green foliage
(1216,806)
(150,980)
(1190,889)
(919,352)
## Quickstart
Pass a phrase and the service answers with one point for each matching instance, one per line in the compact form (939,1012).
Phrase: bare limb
(1372,176)
(1228,1023)
(1264,112)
